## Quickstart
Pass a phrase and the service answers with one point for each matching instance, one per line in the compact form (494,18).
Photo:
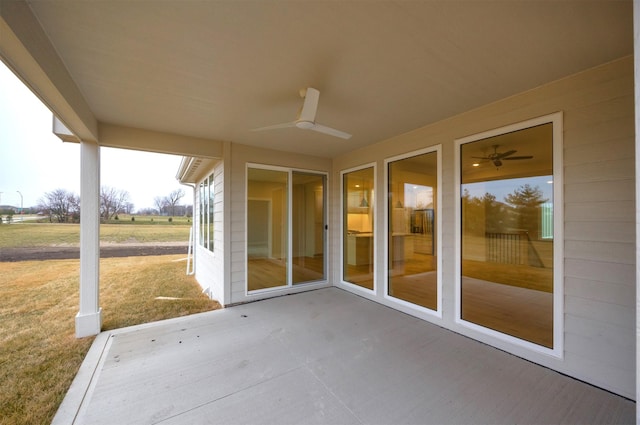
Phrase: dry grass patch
(39,354)
(129,297)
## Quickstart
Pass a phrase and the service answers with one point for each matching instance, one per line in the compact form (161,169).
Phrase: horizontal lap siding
(599,214)
(218,234)
(210,265)
(600,246)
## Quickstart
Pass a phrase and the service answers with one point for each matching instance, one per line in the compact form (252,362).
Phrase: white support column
(89,318)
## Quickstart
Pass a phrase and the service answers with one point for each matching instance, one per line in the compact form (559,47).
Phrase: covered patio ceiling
(216,69)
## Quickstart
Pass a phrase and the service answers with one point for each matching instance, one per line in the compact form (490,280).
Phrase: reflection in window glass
(357,188)
(412,238)
(507,233)
(205,215)
(210,209)
(267,228)
(201,214)
(308,221)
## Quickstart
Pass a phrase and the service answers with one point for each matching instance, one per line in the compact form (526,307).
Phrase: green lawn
(30,234)
(39,354)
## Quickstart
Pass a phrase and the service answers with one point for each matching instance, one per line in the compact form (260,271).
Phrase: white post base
(88,324)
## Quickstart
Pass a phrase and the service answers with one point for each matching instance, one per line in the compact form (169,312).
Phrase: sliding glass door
(308,219)
(285,228)
(267,228)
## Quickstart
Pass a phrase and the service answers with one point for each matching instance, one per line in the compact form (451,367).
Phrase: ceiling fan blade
(330,131)
(504,155)
(519,157)
(275,126)
(310,105)
(307,116)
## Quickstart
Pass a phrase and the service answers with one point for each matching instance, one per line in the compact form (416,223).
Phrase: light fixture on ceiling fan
(497,157)
(306,119)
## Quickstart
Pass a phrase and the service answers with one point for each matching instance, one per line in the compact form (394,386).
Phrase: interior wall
(599,220)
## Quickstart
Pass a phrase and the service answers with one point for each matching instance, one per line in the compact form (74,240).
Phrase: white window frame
(205,236)
(348,285)
(438,151)
(558,242)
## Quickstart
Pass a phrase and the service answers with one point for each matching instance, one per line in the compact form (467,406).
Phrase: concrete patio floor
(324,357)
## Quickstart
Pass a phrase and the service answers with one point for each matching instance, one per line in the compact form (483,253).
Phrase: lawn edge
(84,382)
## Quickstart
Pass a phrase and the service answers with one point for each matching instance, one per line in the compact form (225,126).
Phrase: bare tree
(113,201)
(173,199)
(61,205)
(129,208)
(146,211)
(160,203)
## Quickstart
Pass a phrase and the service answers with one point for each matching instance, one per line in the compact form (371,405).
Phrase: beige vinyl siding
(218,234)
(210,265)
(599,215)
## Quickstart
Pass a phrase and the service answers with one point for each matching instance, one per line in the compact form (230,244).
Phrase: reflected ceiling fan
(497,157)
(306,119)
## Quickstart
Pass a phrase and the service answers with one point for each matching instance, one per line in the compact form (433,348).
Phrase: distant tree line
(168,205)
(520,211)
(63,206)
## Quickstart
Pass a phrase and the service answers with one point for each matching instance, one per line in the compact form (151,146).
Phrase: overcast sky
(33,161)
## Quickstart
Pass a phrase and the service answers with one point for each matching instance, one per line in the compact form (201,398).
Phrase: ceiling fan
(306,118)
(497,157)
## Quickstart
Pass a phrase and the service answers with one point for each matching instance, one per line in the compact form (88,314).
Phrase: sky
(501,188)
(34,161)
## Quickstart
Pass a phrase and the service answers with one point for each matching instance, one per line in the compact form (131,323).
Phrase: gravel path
(106,251)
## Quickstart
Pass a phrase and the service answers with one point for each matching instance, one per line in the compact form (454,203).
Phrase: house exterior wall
(599,217)
(209,266)
(240,156)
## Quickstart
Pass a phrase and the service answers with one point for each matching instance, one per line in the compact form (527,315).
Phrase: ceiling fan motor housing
(305,125)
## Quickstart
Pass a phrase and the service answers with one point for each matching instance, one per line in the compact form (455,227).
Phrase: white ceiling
(216,69)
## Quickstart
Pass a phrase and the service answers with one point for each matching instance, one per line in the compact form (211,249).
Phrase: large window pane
(202,213)
(210,209)
(507,233)
(267,228)
(308,222)
(358,227)
(412,261)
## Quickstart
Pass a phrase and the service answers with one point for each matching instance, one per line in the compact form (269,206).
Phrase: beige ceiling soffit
(116,136)
(192,170)
(187,167)
(27,51)
(183,168)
